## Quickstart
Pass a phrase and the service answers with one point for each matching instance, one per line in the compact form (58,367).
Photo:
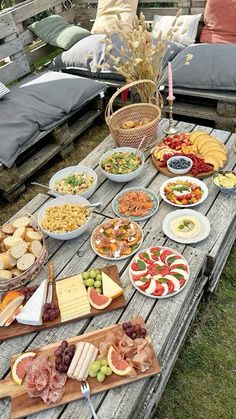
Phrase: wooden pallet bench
(168,320)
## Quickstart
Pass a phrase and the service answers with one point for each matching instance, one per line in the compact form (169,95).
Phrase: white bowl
(68,199)
(128,176)
(183,178)
(179,171)
(69,171)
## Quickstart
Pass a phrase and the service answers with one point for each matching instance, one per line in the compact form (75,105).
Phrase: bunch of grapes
(28,292)
(134,330)
(63,356)
(51,312)
(100,370)
(93,279)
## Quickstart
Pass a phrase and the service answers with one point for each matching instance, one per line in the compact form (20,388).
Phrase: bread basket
(147,134)
(29,274)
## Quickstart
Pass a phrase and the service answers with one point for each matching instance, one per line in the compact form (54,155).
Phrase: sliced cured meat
(58,380)
(52,395)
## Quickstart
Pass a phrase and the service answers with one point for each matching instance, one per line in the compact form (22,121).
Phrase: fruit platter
(184,191)
(208,154)
(52,375)
(116,239)
(159,272)
(73,298)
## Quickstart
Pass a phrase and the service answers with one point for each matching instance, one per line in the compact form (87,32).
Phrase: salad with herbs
(120,163)
(74,184)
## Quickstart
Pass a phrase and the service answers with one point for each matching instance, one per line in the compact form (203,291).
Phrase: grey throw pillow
(3,90)
(56,31)
(212,67)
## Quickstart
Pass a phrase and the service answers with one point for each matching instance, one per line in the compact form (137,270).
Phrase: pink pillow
(220,21)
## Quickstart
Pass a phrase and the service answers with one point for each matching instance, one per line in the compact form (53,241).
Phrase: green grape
(95,366)
(98,272)
(100,377)
(104,362)
(103,369)
(97,284)
(92,373)
(109,371)
(92,274)
(85,275)
(85,282)
(99,290)
(90,282)
(98,277)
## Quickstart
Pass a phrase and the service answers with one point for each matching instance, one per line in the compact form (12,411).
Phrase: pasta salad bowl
(74,180)
(65,218)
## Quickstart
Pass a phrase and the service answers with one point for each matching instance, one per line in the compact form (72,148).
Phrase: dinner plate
(205,225)
(153,196)
(182,179)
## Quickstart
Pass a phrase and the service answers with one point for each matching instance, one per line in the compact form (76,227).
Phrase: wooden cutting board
(22,405)
(17,329)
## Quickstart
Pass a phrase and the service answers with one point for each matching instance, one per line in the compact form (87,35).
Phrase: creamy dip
(185,227)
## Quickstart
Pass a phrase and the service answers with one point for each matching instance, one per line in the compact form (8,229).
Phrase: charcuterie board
(17,329)
(165,171)
(22,405)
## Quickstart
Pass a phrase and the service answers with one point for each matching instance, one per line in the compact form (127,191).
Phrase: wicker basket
(21,280)
(147,134)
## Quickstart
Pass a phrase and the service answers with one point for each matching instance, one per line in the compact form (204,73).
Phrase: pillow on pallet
(220,22)
(212,67)
(162,25)
(3,90)
(107,15)
(56,31)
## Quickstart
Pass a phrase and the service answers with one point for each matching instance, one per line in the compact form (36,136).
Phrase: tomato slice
(155,251)
(145,285)
(159,289)
(171,287)
(165,254)
(135,266)
(145,257)
(179,266)
(154,269)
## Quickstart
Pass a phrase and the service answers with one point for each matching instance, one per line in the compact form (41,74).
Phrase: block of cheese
(33,309)
(110,288)
(72,298)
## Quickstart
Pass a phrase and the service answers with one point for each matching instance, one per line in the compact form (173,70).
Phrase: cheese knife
(50,282)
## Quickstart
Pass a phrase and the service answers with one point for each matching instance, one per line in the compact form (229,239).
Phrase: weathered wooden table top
(167,320)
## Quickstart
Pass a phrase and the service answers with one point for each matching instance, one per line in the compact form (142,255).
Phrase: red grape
(46,317)
(64,344)
(137,327)
(58,361)
(72,347)
(133,336)
(67,360)
(58,352)
(60,368)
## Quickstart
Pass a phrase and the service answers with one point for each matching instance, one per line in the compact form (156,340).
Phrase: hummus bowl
(186,226)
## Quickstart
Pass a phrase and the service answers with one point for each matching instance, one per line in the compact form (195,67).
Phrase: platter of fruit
(116,239)
(184,191)
(207,153)
(52,375)
(159,272)
(84,295)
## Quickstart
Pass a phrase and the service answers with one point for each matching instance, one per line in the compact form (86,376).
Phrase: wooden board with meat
(52,375)
(207,153)
(88,294)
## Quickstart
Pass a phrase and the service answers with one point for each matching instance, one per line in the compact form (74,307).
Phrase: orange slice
(18,368)
(117,364)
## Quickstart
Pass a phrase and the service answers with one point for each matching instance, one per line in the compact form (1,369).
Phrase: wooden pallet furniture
(168,320)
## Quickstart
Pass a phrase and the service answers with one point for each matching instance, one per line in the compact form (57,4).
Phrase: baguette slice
(25,262)
(10,241)
(35,248)
(8,229)
(5,274)
(33,235)
(20,232)
(19,249)
(5,262)
(15,272)
(2,235)
(21,222)
(12,260)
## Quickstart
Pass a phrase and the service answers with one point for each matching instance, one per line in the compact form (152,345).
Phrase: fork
(85,390)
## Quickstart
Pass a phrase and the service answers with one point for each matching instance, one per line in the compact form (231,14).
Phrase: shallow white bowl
(179,171)
(67,199)
(69,171)
(183,178)
(128,176)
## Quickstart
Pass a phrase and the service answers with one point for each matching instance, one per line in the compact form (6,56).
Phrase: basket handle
(109,108)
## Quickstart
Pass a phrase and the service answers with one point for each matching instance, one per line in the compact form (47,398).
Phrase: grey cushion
(56,31)
(39,104)
(212,67)
(3,90)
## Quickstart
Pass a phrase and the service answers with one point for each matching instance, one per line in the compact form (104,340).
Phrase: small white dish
(70,171)
(182,179)
(127,176)
(205,226)
(179,171)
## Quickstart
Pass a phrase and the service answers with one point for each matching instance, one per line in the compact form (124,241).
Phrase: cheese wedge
(110,288)
(9,310)
(33,309)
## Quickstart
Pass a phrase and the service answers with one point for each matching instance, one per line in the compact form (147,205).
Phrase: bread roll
(20,232)
(10,240)
(25,262)
(5,262)
(5,274)
(3,248)
(19,249)
(21,222)
(35,248)
(33,235)
(15,272)
(8,229)
(12,260)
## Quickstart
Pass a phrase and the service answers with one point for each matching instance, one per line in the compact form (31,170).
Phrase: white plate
(184,178)
(205,224)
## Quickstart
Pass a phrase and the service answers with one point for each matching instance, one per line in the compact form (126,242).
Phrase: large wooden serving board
(165,171)
(22,405)
(17,329)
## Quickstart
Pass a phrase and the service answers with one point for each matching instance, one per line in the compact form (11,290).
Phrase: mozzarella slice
(166,288)
(151,287)
(174,281)
(179,262)
(181,272)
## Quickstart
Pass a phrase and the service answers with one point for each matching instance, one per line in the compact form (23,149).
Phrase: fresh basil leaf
(141,265)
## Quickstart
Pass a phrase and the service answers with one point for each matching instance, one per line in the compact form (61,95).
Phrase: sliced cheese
(9,310)
(110,288)
(33,309)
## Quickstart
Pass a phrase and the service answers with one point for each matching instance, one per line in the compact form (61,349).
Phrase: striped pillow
(3,90)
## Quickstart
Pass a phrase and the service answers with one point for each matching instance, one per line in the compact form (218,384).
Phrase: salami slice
(58,379)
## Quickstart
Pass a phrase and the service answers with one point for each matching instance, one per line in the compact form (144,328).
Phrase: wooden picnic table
(167,320)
